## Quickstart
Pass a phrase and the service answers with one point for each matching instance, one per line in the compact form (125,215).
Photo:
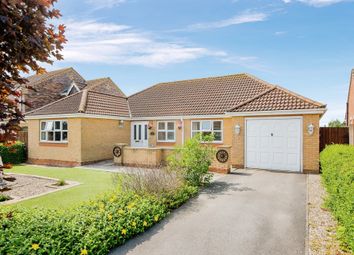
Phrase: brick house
(55,85)
(350,109)
(255,125)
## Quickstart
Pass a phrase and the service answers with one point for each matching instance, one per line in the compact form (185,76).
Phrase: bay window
(166,131)
(54,131)
(208,127)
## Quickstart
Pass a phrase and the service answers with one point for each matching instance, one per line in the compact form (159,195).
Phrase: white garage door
(274,143)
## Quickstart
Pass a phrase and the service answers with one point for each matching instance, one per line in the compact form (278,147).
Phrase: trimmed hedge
(92,228)
(13,154)
(337,162)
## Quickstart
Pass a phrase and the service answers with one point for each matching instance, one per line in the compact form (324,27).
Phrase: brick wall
(311,144)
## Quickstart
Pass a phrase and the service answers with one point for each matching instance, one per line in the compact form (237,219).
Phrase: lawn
(92,183)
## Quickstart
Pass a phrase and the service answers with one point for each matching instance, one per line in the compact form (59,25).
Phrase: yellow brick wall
(70,151)
(88,140)
(237,150)
(99,136)
(142,156)
(311,144)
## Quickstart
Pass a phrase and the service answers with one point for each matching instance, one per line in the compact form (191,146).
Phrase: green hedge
(337,162)
(92,228)
(14,154)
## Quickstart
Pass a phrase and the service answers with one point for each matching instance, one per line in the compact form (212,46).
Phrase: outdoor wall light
(179,124)
(237,129)
(310,129)
(150,125)
(121,123)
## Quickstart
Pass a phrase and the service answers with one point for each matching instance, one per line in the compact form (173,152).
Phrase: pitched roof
(104,85)
(276,99)
(36,80)
(214,95)
(87,102)
(50,86)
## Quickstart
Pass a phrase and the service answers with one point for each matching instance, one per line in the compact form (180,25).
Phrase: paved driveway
(248,212)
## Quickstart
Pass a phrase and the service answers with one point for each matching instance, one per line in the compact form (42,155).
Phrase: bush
(4,197)
(92,228)
(337,162)
(192,160)
(152,182)
(13,154)
(61,182)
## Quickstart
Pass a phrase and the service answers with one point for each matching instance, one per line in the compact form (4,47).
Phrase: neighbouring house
(350,109)
(52,86)
(255,124)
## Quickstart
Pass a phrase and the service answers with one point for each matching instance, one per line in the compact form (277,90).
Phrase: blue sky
(304,45)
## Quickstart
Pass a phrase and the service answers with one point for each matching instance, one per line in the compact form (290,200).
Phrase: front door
(139,134)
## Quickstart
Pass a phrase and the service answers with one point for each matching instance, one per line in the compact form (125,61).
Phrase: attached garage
(274,143)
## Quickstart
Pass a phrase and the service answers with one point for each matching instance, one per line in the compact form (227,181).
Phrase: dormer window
(72,89)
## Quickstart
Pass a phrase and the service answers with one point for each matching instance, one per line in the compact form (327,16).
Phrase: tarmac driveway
(247,212)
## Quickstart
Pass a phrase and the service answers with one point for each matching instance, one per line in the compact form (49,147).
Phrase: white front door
(139,134)
(274,143)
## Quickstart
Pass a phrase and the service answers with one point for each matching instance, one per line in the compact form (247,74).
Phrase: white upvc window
(166,131)
(54,131)
(208,127)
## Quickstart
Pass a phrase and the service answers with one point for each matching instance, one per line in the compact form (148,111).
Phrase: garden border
(70,184)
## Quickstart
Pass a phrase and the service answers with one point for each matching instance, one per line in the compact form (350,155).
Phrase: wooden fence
(23,137)
(333,135)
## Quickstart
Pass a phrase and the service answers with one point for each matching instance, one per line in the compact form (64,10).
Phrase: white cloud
(100,4)
(251,62)
(317,3)
(246,17)
(97,42)
(280,33)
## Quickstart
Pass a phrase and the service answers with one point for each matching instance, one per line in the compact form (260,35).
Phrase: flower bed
(337,162)
(92,228)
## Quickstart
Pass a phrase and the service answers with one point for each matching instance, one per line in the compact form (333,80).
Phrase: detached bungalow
(255,125)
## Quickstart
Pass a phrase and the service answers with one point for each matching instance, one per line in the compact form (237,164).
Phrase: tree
(26,42)
(336,123)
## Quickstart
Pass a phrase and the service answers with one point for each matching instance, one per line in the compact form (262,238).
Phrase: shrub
(4,197)
(94,227)
(13,154)
(61,182)
(337,162)
(153,181)
(192,160)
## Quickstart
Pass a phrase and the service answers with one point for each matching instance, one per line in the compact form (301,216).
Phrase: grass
(92,183)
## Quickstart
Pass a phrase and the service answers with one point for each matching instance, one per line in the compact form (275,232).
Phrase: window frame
(166,131)
(212,131)
(61,130)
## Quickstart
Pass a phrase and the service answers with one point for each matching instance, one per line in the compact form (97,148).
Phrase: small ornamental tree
(193,160)
(27,41)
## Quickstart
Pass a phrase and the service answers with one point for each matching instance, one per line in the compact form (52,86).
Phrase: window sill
(53,144)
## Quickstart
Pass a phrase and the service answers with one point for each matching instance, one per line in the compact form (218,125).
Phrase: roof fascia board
(280,112)
(75,115)
(180,117)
